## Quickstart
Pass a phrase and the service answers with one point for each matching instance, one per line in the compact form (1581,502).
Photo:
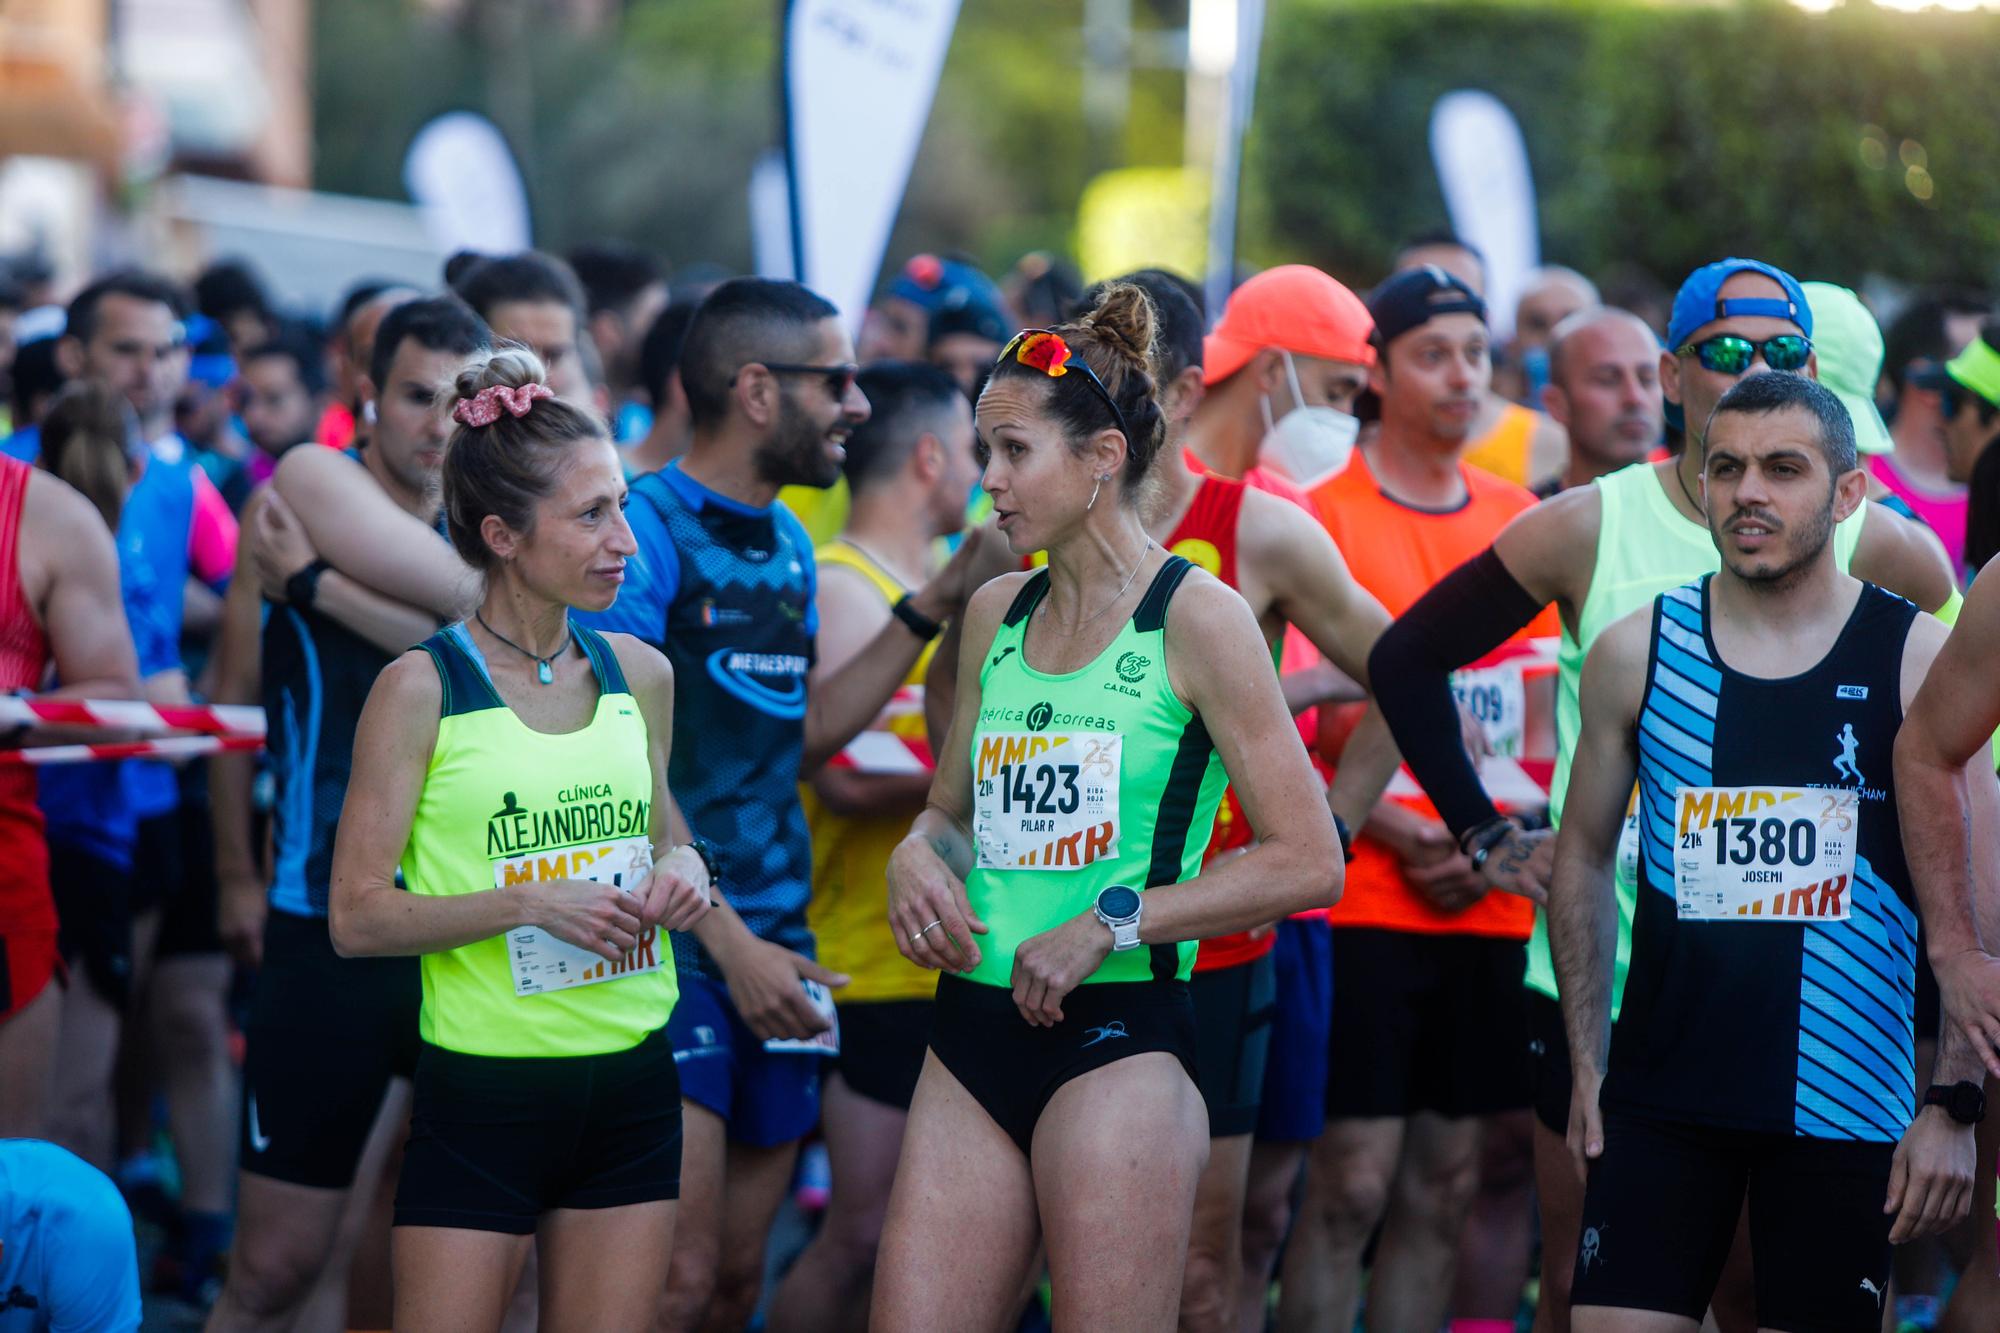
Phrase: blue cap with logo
(934,283)
(1700,302)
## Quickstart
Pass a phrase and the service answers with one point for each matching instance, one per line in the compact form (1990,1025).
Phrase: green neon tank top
(1094,777)
(505,804)
(1644,547)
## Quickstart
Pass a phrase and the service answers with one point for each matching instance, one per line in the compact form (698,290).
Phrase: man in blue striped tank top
(1765,1049)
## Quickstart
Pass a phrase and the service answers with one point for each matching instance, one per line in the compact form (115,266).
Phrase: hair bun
(508,366)
(1124,321)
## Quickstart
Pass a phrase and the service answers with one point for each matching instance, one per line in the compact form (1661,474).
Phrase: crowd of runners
(1060,807)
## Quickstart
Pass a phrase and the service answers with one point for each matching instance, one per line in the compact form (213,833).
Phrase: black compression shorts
(1013,1068)
(882,1045)
(1233,1008)
(1662,1207)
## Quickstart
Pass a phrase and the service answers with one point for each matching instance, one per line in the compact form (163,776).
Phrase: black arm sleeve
(1473,610)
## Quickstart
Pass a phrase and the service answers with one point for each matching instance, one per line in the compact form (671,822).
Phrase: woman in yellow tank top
(515,768)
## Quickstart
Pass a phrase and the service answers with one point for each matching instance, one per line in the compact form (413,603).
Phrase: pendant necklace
(543,671)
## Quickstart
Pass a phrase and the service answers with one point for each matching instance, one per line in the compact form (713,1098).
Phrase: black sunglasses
(839,379)
(1727,354)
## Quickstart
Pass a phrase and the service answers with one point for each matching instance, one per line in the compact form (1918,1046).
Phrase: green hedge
(1664,135)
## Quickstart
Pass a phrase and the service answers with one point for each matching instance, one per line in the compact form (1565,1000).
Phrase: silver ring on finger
(918,937)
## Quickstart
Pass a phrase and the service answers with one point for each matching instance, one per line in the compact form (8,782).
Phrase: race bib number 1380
(1045,800)
(1765,853)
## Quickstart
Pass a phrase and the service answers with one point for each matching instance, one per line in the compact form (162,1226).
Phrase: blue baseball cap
(210,362)
(933,283)
(1699,300)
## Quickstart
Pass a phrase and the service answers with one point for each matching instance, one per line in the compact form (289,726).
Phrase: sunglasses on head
(1044,350)
(1727,354)
(839,379)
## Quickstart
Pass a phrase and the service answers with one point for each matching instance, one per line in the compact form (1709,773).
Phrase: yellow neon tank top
(849,907)
(504,804)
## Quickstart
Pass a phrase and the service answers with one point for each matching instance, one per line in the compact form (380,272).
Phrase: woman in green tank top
(514,770)
(1055,877)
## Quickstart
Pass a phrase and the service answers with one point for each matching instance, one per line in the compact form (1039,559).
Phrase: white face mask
(1308,444)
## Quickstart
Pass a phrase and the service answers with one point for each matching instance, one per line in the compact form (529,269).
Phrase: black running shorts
(1548,1048)
(882,1044)
(1012,1068)
(1662,1206)
(1426,1023)
(1233,1008)
(325,1036)
(496,1142)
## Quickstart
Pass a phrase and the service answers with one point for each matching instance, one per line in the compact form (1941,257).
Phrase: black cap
(1417,296)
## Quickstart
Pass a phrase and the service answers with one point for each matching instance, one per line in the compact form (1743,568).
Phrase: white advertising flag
(859,78)
(461,174)
(1482,167)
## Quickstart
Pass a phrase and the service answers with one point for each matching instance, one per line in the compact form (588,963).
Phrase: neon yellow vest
(503,804)
(849,908)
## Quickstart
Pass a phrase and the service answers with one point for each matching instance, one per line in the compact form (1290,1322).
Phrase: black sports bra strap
(1151,614)
(1031,592)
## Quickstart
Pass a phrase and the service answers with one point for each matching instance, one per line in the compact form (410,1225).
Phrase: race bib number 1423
(1045,800)
(1765,853)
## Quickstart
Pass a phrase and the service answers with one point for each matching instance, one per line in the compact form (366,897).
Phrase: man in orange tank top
(1429,1034)
(1509,440)
(59,605)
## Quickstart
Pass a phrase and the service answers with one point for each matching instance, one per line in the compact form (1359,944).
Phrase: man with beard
(1644,531)
(277,389)
(724,583)
(1764,1050)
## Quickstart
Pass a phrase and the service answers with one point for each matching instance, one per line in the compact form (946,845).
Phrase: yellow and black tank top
(849,908)
(504,804)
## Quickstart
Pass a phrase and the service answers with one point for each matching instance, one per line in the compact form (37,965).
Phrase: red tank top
(1206,535)
(25,905)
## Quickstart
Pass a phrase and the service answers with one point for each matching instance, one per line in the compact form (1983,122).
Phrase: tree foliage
(1844,144)
(1853,143)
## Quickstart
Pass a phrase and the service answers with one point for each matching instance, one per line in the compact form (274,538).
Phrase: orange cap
(1293,306)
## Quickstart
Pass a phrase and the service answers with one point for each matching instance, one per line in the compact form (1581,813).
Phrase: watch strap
(302,588)
(1964,1102)
(1346,836)
(904,609)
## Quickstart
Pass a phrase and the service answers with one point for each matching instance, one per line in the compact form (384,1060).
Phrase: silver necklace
(1116,597)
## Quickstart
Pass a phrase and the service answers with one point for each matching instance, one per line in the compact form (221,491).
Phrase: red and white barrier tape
(132,715)
(166,747)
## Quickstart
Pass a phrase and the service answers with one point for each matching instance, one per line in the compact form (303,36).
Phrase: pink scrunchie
(483,408)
